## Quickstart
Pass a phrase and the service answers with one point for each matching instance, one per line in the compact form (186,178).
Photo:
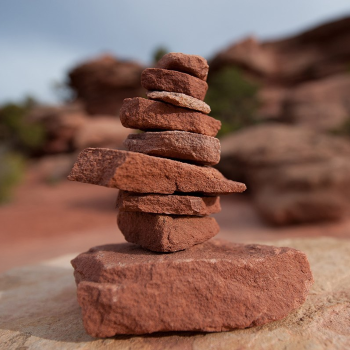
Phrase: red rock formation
(103,83)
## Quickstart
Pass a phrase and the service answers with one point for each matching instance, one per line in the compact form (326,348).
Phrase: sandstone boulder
(295,174)
(103,83)
(104,131)
(52,318)
(214,286)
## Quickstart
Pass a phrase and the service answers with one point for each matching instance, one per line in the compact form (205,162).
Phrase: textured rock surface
(168,204)
(214,286)
(139,113)
(180,100)
(39,311)
(309,171)
(197,148)
(190,64)
(136,172)
(158,79)
(164,233)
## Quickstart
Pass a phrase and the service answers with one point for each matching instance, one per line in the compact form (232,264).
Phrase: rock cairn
(167,192)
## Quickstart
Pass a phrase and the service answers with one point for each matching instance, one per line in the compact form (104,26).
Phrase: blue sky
(41,39)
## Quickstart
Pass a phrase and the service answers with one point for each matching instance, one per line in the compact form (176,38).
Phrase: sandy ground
(45,221)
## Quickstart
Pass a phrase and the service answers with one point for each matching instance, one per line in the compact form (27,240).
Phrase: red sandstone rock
(165,233)
(136,172)
(197,148)
(167,80)
(180,100)
(215,286)
(168,204)
(139,113)
(190,64)
(102,83)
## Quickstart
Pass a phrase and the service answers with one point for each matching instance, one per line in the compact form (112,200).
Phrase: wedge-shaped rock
(190,64)
(165,233)
(168,80)
(139,113)
(137,172)
(168,204)
(180,100)
(212,287)
(196,148)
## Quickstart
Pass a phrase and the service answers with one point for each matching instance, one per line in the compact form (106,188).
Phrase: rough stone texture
(215,286)
(190,64)
(180,100)
(136,172)
(309,172)
(167,80)
(39,311)
(102,83)
(197,148)
(168,204)
(139,113)
(165,233)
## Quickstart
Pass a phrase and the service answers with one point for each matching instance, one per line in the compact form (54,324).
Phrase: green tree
(158,53)
(233,99)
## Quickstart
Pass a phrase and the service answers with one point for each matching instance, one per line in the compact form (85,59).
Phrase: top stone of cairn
(190,64)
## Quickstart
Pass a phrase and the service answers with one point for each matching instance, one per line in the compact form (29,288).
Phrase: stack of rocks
(168,223)
(167,192)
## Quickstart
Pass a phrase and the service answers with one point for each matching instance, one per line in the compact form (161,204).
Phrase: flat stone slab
(143,114)
(168,204)
(158,79)
(165,233)
(137,172)
(215,286)
(200,149)
(190,64)
(39,310)
(181,100)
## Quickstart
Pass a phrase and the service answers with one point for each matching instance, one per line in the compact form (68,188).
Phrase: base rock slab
(215,286)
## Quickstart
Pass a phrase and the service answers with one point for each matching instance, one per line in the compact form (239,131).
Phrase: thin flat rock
(168,204)
(215,286)
(190,64)
(143,114)
(181,100)
(166,233)
(168,80)
(137,172)
(200,149)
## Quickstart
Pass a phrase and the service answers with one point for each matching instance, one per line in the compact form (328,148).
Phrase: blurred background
(279,81)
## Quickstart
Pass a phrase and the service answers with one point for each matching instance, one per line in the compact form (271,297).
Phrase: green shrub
(11,172)
(15,132)
(158,53)
(233,99)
